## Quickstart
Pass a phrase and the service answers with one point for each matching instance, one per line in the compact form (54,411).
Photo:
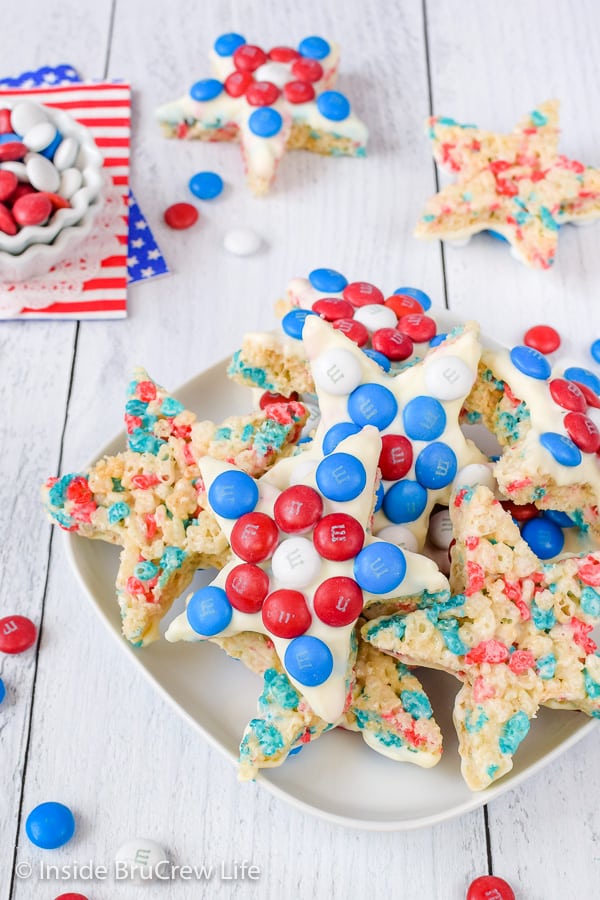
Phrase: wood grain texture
(102,740)
(35,368)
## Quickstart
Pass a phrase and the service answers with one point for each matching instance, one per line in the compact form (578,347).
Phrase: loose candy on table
(17,634)
(490,887)
(71,896)
(242,241)
(50,825)
(206,185)
(2,691)
(141,856)
(181,215)
(543,338)
(595,350)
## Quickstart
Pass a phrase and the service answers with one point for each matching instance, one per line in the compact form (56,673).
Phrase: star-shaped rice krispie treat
(417,415)
(271,102)
(150,499)
(516,633)
(516,185)
(304,567)
(387,705)
(546,418)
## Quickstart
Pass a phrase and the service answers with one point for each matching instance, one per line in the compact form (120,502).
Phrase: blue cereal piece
(514,731)
(118,512)
(417,704)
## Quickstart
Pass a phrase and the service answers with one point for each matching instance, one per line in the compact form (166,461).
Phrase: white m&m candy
(26,115)
(401,536)
(440,529)
(242,241)
(448,377)
(40,136)
(142,861)
(474,474)
(43,176)
(66,153)
(374,316)
(296,563)
(337,371)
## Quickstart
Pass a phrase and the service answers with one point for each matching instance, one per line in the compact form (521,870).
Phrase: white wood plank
(491,65)
(35,364)
(133,767)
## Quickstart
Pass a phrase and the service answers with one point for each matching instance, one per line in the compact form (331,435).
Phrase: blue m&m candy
(308,660)
(333,106)
(227,44)
(379,495)
(327,280)
(436,466)
(209,611)
(232,494)
(379,358)
(2,691)
(206,89)
(372,404)
(51,149)
(583,376)
(420,296)
(314,47)
(424,418)
(530,362)
(337,433)
(341,477)
(405,501)
(293,322)
(595,350)
(9,137)
(265,122)
(206,185)
(561,447)
(380,567)
(545,538)
(50,825)
(437,340)
(559,518)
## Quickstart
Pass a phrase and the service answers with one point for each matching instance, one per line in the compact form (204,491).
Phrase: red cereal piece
(582,431)
(403,305)
(543,338)
(491,651)
(17,634)
(286,614)
(181,215)
(339,537)
(568,395)
(396,457)
(362,293)
(307,70)
(248,58)
(522,512)
(79,490)
(332,308)
(356,331)
(8,184)
(237,83)
(262,93)
(270,397)
(299,92)
(589,571)
(482,690)
(392,343)
(12,151)
(475,578)
(32,209)
(146,391)
(581,631)
(5,123)
(144,482)
(283,54)
(7,223)
(246,587)
(489,887)
(254,537)
(338,601)
(520,661)
(298,509)
(419,328)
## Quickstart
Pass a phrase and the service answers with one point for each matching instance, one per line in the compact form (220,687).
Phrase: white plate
(337,778)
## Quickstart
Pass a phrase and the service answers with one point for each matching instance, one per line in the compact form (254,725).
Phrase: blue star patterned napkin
(144,256)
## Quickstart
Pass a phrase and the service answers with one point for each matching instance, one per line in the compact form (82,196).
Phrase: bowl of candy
(50,188)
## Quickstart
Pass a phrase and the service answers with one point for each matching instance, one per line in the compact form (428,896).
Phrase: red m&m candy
(246,587)
(396,457)
(248,58)
(522,512)
(419,328)
(283,54)
(32,209)
(403,305)
(285,614)
(298,509)
(17,633)
(338,536)
(392,343)
(254,537)
(353,330)
(338,601)
(7,222)
(307,70)
(299,92)
(361,293)
(12,151)
(592,399)
(8,184)
(237,83)
(582,431)
(332,308)
(489,887)
(543,338)
(181,215)
(568,395)
(262,93)
(5,123)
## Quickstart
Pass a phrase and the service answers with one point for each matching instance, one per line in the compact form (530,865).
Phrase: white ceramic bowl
(36,248)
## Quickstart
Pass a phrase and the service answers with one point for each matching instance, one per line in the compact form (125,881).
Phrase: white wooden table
(79,722)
